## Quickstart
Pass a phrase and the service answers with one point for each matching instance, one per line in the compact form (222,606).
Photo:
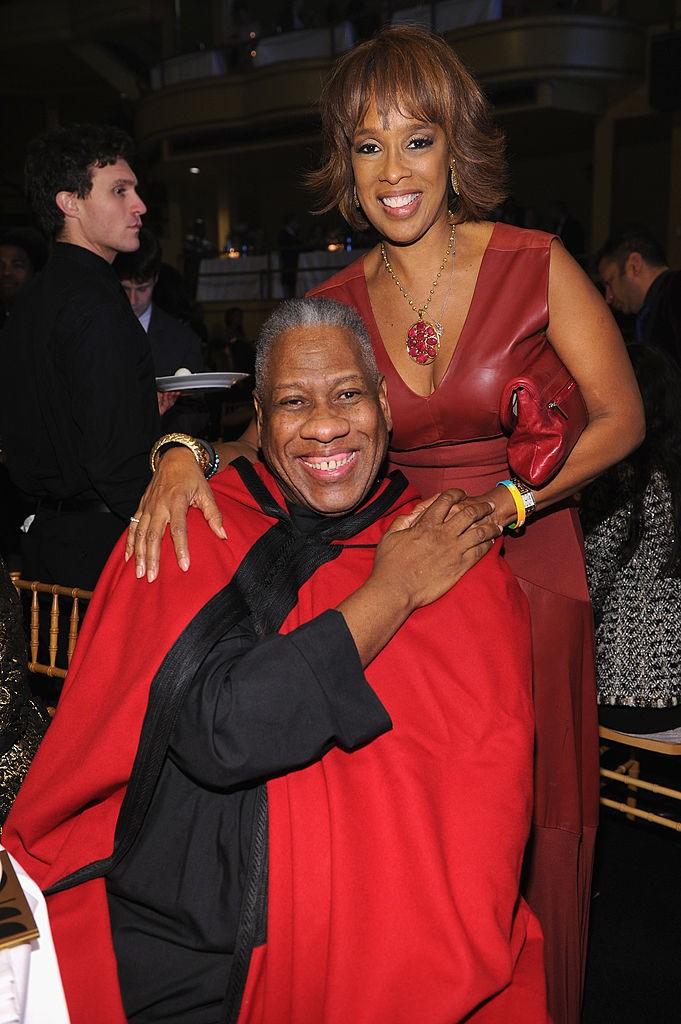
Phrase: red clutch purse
(544,413)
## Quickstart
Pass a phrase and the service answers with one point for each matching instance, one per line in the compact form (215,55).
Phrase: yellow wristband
(521,512)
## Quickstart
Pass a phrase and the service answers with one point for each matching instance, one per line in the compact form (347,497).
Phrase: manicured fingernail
(223,533)
(151,575)
(127,555)
(183,563)
(139,571)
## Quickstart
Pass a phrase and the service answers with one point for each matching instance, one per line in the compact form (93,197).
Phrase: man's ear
(258,416)
(383,402)
(634,264)
(68,203)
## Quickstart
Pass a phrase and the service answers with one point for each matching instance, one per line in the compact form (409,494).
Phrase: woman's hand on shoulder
(177,485)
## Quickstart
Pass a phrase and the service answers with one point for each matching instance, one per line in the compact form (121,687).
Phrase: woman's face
(401,172)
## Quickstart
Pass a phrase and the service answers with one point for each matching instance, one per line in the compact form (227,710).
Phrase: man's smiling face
(323,422)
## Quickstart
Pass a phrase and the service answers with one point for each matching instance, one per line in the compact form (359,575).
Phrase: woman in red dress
(412,150)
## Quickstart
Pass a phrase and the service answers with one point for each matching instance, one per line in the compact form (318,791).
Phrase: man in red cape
(295,787)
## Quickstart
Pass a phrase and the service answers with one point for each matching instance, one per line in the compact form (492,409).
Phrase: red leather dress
(453,438)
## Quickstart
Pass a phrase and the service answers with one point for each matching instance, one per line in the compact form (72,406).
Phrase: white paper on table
(31,991)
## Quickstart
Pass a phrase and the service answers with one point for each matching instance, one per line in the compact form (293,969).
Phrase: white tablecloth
(315,267)
(258,277)
(313,42)
(186,67)
(30,984)
(235,280)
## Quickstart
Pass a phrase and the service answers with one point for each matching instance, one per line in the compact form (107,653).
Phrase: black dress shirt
(79,410)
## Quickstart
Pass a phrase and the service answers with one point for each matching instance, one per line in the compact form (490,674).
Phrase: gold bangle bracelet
(187,441)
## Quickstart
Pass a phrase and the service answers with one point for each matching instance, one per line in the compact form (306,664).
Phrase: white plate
(200,381)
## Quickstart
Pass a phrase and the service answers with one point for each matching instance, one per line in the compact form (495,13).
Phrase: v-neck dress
(453,438)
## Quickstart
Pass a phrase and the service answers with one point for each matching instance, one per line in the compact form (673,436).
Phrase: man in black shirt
(79,405)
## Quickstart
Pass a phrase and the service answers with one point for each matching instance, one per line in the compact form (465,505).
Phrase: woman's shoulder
(508,237)
(349,280)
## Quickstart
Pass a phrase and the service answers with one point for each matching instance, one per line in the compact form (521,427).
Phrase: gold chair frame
(77,596)
(629,771)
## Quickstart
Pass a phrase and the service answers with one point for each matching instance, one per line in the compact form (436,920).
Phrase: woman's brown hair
(412,70)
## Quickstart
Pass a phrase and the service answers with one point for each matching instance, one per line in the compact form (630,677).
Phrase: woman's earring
(354,196)
(453,178)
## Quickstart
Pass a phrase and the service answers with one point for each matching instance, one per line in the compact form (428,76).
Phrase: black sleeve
(260,708)
(108,366)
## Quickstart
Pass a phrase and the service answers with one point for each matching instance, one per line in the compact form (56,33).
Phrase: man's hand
(177,485)
(419,559)
(424,554)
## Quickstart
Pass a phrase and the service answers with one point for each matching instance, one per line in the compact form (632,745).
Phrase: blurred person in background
(632,524)
(173,344)
(234,408)
(639,282)
(23,718)
(288,243)
(23,252)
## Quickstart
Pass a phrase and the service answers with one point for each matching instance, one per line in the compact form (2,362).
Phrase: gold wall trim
(555,46)
(589,50)
(282,92)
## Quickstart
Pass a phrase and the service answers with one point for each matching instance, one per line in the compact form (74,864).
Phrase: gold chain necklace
(423,337)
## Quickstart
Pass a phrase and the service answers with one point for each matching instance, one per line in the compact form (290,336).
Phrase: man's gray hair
(311,313)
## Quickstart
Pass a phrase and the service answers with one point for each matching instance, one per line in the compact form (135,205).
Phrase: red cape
(393,877)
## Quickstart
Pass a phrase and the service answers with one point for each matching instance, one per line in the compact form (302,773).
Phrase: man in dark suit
(174,345)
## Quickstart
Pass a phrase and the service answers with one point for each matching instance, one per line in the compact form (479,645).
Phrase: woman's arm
(178,485)
(584,334)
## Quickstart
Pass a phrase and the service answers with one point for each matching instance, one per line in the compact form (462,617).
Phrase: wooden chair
(628,773)
(57,620)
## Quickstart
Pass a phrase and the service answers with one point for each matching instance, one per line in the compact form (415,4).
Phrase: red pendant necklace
(423,337)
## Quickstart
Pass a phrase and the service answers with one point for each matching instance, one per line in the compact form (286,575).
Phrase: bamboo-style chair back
(63,616)
(628,773)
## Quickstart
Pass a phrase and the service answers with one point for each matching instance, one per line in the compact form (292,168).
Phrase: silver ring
(133,520)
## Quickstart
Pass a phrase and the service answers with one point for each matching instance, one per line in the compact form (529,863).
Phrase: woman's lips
(400,205)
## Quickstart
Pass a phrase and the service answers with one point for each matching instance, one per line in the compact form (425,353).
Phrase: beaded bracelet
(213,458)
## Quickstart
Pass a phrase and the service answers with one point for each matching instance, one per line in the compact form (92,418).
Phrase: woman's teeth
(396,201)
